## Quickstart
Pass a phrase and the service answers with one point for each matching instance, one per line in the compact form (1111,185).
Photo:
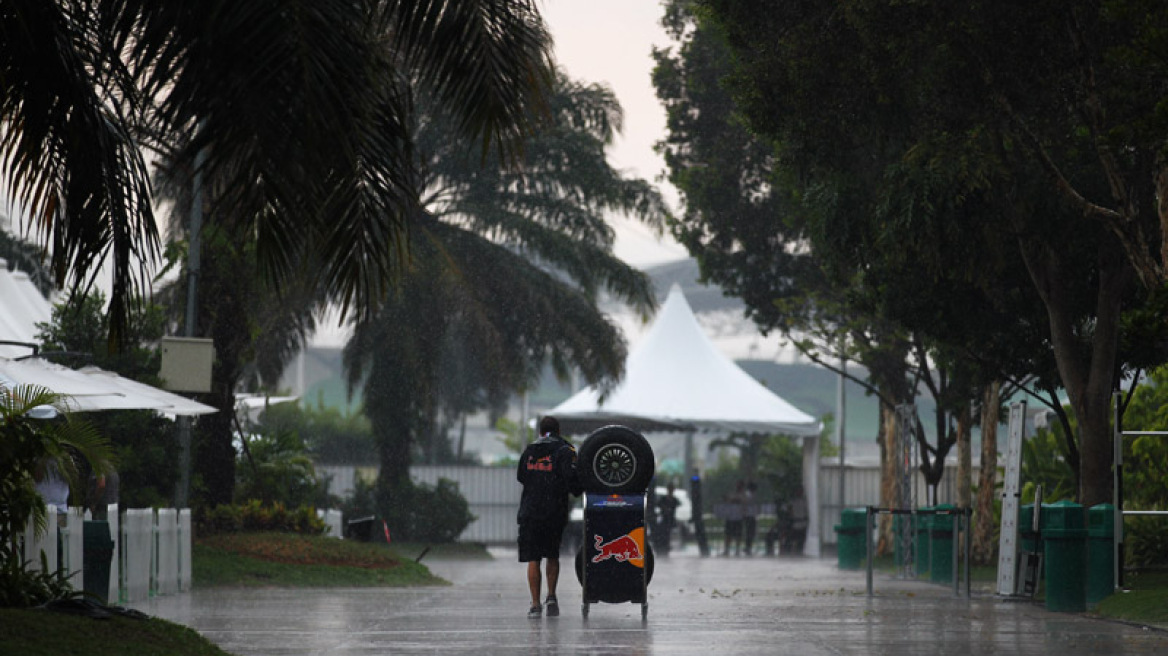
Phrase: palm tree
(507,271)
(293,114)
(28,444)
(295,109)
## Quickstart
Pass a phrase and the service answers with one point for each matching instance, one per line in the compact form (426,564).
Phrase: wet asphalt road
(696,606)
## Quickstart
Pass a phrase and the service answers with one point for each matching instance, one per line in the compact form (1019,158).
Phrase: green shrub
(425,513)
(21,587)
(362,502)
(256,516)
(1145,542)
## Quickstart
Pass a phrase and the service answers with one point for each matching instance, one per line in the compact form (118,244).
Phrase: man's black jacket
(547,470)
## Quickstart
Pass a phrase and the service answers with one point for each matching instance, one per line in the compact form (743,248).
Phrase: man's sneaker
(535,611)
(553,607)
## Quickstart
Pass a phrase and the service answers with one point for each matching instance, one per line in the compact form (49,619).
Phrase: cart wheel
(616,460)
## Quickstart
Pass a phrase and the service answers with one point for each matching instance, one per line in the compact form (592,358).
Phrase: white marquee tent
(677,380)
(21,308)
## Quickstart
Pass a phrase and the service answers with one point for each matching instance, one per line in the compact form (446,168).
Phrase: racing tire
(616,460)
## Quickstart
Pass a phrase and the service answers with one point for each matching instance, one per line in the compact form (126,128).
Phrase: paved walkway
(730,606)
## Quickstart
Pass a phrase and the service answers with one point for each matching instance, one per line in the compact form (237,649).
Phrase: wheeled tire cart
(615,562)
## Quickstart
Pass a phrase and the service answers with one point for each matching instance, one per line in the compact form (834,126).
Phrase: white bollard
(137,536)
(73,548)
(185,538)
(332,522)
(166,552)
(46,542)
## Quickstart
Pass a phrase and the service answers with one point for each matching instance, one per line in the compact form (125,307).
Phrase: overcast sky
(611,41)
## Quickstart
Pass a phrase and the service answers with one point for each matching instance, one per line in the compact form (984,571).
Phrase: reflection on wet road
(696,606)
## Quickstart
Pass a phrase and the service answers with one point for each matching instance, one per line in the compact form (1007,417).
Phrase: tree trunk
(964,457)
(222,312)
(1088,376)
(984,545)
(889,485)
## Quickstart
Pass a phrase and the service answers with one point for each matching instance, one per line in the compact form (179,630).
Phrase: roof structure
(677,380)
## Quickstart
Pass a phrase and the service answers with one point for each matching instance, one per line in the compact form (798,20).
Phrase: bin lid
(1064,533)
(853,517)
(1101,520)
(943,521)
(1062,515)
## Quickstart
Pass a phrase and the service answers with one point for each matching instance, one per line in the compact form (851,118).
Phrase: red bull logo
(629,548)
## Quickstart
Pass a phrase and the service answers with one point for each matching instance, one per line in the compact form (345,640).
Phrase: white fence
(152,551)
(492,494)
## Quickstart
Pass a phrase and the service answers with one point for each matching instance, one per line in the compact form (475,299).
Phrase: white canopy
(172,404)
(92,389)
(676,379)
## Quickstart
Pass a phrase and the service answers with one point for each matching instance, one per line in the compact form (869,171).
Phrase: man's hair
(549,425)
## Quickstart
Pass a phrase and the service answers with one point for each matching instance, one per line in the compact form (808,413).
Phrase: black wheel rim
(614,465)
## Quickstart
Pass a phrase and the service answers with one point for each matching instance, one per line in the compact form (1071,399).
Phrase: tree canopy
(962,166)
(507,267)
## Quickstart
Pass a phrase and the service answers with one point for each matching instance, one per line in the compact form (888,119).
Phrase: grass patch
(43,633)
(291,560)
(1145,601)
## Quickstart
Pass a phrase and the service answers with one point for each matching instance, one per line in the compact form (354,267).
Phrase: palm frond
(487,60)
(66,150)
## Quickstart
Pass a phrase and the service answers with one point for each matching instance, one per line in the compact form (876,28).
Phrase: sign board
(1011,493)
(186,364)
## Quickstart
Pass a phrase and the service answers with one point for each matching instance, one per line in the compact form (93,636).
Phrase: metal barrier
(1117,488)
(962,524)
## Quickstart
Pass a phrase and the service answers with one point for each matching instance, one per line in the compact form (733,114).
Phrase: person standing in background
(732,511)
(749,517)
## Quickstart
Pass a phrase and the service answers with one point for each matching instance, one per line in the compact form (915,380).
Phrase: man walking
(547,471)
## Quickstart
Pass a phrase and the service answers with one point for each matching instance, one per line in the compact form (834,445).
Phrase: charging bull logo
(628,548)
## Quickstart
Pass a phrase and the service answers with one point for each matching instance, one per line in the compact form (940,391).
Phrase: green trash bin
(1065,538)
(922,524)
(98,549)
(941,543)
(853,542)
(1100,552)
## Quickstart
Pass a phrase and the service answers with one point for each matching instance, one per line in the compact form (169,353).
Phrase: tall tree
(507,268)
(946,95)
(755,224)
(306,159)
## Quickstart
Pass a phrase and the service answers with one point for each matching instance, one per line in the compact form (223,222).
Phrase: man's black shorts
(540,539)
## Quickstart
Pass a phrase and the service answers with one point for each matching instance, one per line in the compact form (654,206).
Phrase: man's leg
(533,580)
(553,575)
